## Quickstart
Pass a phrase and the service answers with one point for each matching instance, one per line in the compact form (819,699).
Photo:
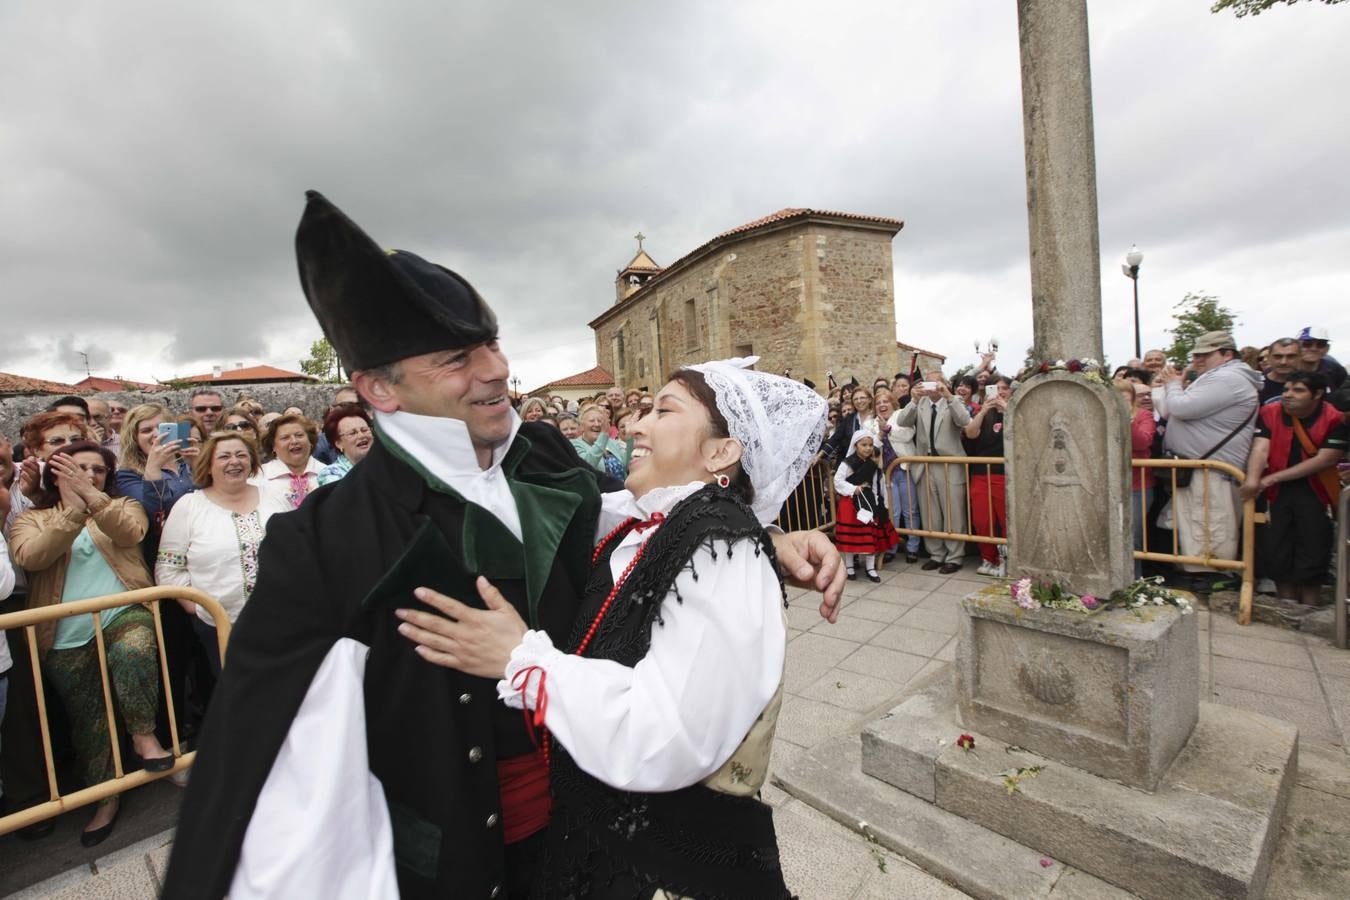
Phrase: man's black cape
(337,568)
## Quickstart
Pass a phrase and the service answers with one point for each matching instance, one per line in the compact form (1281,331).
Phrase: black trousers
(1299,536)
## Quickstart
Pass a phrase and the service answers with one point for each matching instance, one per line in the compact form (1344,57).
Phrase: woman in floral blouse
(211,538)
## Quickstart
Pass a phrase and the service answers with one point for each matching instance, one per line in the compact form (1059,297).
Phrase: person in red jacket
(1298,438)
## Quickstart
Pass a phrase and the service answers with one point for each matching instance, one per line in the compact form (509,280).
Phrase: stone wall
(810,298)
(314,399)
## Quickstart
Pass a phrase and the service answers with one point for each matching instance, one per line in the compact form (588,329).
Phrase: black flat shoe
(158,764)
(949,568)
(931,565)
(99,835)
(853,576)
(37,830)
(911,558)
(887,558)
(874,577)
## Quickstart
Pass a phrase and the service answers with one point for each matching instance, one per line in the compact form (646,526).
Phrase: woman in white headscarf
(663,703)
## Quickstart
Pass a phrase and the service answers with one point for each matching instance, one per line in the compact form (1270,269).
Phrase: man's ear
(721,453)
(376,391)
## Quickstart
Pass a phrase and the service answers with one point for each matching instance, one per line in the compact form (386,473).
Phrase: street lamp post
(1131,270)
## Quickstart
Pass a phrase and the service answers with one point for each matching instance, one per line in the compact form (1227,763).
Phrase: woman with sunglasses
(81,540)
(239,419)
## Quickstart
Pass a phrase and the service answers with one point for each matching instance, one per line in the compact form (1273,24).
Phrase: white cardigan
(210,548)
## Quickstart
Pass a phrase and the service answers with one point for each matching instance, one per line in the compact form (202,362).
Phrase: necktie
(932,431)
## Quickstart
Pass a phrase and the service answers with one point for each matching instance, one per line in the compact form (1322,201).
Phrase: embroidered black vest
(693,842)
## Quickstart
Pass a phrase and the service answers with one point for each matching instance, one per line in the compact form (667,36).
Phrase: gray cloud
(156,158)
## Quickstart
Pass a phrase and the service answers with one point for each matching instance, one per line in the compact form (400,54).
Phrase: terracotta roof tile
(913,349)
(595,377)
(100,385)
(251,373)
(22,384)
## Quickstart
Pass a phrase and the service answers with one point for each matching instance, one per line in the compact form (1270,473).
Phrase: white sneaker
(986,568)
(1000,570)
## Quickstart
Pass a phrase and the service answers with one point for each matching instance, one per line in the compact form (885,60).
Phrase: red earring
(723,481)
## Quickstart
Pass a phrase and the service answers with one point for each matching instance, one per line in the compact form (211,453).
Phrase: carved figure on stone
(1057,543)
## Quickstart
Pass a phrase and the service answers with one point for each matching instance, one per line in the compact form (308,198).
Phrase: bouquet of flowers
(1032,595)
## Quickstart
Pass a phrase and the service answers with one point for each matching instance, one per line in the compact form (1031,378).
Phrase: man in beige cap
(1211,419)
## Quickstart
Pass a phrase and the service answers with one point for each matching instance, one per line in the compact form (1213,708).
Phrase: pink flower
(1089,601)
(1046,863)
(966,742)
(1021,592)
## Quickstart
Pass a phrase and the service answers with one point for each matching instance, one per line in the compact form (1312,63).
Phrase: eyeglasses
(96,470)
(1318,344)
(238,426)
(59,441)
(355,432)
(202,409)
(114,410)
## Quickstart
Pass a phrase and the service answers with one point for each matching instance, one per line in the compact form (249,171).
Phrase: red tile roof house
(574,387)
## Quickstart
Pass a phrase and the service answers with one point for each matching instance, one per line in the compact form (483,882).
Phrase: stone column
(1061,178)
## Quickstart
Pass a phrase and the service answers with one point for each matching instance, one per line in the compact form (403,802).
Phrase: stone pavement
(843,675)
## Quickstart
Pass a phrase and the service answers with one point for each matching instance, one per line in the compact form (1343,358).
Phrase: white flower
(1158,601)
(1186,610)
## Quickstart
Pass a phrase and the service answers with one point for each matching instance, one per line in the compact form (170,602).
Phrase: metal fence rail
(29,619)
(954,487)
(811,507)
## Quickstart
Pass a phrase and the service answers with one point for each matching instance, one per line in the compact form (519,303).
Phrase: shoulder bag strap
(1331,483)
(1245,423)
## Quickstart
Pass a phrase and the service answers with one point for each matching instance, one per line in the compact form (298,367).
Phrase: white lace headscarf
(778,422)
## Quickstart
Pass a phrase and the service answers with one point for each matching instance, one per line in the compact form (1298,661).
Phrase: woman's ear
(721,453)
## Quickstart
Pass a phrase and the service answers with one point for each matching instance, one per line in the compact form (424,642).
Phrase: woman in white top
(664,700)
(210,540)
(292,472)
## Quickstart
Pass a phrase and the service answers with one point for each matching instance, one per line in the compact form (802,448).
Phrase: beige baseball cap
(1214,340)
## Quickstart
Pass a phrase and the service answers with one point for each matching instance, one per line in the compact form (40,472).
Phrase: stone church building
(806,290)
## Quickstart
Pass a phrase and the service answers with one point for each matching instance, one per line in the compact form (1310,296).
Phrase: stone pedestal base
(1209,830)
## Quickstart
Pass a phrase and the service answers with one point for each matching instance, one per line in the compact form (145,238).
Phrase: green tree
(1196,314)
(1242,8)
(323,362)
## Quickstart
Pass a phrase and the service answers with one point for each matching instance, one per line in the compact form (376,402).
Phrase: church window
(690,324)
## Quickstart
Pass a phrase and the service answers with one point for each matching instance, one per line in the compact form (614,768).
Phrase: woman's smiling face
(671,443)
(292,444)
(231,463)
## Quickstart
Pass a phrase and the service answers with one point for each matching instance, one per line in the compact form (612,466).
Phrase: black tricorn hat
(378,306)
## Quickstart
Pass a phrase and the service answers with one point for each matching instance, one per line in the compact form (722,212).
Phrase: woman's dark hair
(335,417)
(970,382)
(694,382)
(1004,379)
(51,494)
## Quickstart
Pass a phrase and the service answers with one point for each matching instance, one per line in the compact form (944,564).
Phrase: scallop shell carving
(1046,678)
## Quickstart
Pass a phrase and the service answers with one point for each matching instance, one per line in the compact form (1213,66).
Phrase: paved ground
(841,675)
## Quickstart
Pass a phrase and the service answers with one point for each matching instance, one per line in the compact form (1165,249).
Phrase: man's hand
(810,561)
(475,641)
(1168,375)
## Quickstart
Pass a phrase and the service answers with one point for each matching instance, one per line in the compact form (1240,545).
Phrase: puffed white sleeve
(841,485)
(678,715)
(615,507)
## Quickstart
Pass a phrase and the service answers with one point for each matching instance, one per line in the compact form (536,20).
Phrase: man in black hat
(335,760)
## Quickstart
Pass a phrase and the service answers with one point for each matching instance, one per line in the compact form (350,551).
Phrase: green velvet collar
(547,504)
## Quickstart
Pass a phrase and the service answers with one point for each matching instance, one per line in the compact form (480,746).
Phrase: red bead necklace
(521,680)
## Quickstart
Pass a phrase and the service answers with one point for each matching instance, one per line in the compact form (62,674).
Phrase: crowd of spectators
(101,498)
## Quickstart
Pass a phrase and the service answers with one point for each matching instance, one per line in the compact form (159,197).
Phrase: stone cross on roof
(640,237)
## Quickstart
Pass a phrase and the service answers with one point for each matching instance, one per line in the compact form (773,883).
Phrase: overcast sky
(155,158)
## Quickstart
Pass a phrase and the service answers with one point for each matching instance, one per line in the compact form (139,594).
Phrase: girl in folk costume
(658,713)
(862,523)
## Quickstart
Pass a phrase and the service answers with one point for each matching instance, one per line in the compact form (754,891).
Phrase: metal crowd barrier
(1247,544)
(811,507)
(29,619)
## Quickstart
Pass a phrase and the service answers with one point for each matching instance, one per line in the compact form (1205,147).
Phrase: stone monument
(1068,470)
(1066,732)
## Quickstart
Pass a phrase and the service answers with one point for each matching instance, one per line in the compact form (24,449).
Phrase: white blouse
(213,549)
(275,479)
(677,716)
